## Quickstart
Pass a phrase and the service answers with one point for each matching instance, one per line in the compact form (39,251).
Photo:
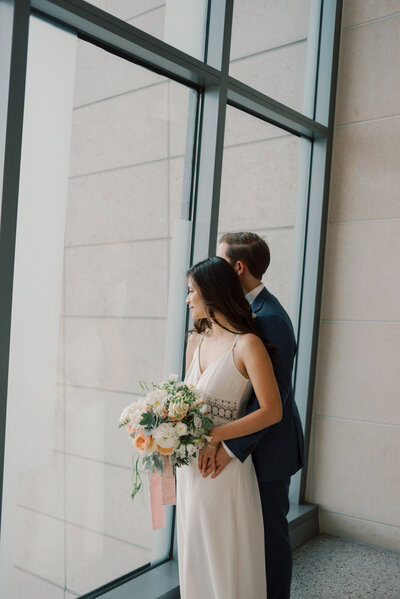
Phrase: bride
(219,520)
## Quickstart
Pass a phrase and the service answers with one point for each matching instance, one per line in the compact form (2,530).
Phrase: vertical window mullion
(212,131)
(14,17)
(316,225)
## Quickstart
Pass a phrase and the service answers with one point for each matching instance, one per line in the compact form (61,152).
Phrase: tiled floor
(334,568)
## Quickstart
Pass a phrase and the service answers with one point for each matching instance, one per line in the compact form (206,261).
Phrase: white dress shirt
(251,296)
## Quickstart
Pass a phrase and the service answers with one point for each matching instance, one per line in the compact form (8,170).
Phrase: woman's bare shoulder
(249,342)
(249,339)
(193,341)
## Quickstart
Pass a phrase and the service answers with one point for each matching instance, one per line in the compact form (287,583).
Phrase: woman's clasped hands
(206,459)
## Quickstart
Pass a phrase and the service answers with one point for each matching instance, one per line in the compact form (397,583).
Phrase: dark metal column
(212,131)
(317,214)
(14,38)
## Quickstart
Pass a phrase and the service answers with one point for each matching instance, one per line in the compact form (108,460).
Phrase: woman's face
(194,301)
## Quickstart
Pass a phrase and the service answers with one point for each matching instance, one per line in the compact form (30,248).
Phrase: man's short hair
(249,248)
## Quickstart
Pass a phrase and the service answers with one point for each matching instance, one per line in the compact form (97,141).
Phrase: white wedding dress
(219,521)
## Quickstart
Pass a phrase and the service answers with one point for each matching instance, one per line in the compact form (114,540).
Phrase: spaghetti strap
(202,338)
(234,341)
(198,349)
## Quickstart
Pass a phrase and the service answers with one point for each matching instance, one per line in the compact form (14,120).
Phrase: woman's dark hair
(220,290)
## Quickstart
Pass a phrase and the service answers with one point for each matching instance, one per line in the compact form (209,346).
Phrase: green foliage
(143,386)
(158,461)
(136,479)
(153,462)
(148,420)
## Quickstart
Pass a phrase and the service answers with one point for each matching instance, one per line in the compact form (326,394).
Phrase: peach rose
(145,444)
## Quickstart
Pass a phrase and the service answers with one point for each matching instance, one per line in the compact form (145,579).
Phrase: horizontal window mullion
(249,100)
(113,34)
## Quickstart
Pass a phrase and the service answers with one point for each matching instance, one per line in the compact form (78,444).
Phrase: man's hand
(222,459)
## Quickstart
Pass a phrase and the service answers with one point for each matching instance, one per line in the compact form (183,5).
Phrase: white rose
(136,417)
(166,437)
(181,428)
(129,412)
(173,378)
(156,397)
(205,409)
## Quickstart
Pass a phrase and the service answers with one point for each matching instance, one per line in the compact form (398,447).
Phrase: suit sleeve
(277,332)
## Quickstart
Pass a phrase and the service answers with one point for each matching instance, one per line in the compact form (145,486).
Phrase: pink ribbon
(162,492)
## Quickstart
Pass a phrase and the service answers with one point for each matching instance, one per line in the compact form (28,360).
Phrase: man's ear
(240,267)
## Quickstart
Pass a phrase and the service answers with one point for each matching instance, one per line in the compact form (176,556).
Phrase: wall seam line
(145,12)
(43,578)
(125,93)
(267,50)
(126,166)
(364,220)
(377,20)
(257,141)
(355,321)
(367,121)
(108,243)
(93,530)
(112,317)
(355,420)
(101,389)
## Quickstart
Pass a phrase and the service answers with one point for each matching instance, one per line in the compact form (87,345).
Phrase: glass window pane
(92,279)
(274,49)
(180,23)
(264,190)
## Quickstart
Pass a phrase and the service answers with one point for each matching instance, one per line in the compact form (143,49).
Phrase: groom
(277,451)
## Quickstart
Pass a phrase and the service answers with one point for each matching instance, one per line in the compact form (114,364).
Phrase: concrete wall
(354,460)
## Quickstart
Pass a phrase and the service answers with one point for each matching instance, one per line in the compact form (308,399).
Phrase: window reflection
(274,48)
(77,527)
(180,23)
(262,191)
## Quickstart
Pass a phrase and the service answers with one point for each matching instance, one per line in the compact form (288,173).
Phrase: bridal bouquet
(168,426)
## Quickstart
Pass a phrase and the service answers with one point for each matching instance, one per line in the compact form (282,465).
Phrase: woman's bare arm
(252,353)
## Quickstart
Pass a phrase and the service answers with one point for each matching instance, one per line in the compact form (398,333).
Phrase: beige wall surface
(354,472)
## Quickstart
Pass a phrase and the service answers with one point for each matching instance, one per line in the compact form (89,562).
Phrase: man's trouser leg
(278,550)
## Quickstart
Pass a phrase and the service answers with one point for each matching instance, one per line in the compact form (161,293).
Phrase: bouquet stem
(136,479)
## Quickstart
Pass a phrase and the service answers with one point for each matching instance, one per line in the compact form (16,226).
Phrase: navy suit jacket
(278,450)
